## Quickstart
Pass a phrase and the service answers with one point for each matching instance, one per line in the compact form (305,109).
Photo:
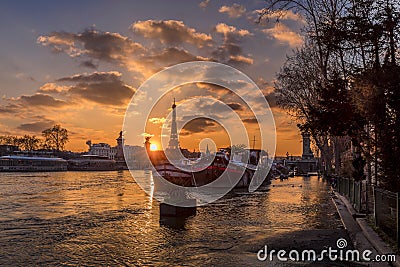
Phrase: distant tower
(147,144)
(207,151)
(119,156)
(89,143)
(173,140)
(307,153)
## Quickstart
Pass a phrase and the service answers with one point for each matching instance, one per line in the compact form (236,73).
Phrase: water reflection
(104,218)
(174,222)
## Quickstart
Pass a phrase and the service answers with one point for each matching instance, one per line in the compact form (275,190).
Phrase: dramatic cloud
(115,48)
(230,51)
(36,127)
(235,106)
(100,87)
(284,35)
(213,88)
(250,121)
(39,99)
(60,42)
(104,93)
(9,109)
(52,88)
(170,56)
(107,46)
(231,33)
(240,59)
(110,76)
(171,32)
(93,45)
(234,11)
(199,125)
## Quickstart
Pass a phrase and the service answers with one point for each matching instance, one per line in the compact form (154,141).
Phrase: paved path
(337,223)
(361,234)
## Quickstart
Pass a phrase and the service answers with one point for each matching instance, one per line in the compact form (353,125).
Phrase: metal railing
(354,191)
(386,213)
(386,204)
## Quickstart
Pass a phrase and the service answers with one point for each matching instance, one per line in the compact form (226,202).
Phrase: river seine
(104,218)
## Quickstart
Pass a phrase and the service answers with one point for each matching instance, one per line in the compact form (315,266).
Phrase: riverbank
(337,224)
(361,234)
(317,237)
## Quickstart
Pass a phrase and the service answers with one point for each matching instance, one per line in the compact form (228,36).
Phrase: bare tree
(351,87)
(28,142)
(55,137)
(9,140)
(297,88)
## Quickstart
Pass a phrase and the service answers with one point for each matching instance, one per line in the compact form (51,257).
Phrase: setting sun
(153,147)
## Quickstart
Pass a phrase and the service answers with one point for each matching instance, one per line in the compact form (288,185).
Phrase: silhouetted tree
(55,137)
(28,142)
(352,85)
(9,140)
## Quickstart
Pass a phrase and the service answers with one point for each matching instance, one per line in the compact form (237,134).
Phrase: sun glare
(153,147)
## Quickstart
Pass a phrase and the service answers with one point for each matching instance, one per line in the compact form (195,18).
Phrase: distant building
(307,153)
(307,163)
(133,153)
(123,154)
(6,150)
(101,149)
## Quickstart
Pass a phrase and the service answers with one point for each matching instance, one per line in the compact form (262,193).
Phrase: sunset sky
(78,63)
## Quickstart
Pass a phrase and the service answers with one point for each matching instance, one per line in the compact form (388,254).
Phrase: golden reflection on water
(51,195)
(295,203)
(92,218)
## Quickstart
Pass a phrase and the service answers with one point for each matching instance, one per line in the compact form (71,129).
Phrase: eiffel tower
(173,140)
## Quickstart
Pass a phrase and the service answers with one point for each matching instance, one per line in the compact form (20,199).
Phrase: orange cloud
(241,59)
(157,120)
(99,87)
(53,88)
(115,48)
(231,31)
(104,95)
(171,32)
(107,46)
(279,15)
(284,35)
(230,51)
(234,11)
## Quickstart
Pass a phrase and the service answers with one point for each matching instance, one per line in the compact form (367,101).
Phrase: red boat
(207,169)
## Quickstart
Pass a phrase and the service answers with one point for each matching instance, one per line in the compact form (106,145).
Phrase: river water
(104,218)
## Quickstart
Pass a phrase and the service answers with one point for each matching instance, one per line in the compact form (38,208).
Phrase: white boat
(92,163)
(31,164)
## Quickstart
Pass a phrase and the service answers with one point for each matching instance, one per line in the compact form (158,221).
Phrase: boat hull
(32,169)
(16,163)
(205,176)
